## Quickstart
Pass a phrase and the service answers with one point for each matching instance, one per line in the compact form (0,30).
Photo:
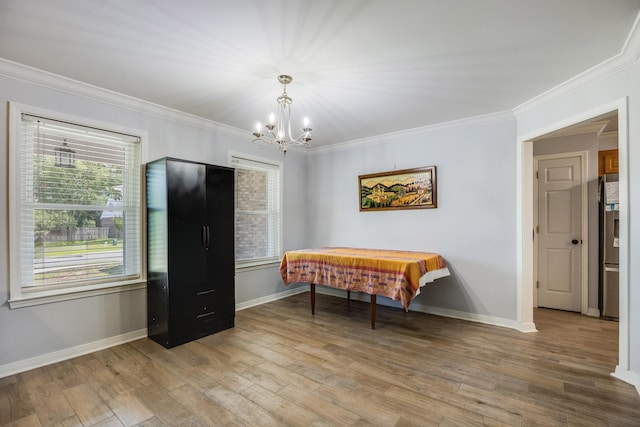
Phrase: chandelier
(278,130)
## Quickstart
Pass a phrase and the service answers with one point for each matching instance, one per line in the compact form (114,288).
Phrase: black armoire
(190,250)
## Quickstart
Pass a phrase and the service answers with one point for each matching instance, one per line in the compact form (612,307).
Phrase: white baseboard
(628,376)
(57,356)
(472,317)
(69,353)
(269,298)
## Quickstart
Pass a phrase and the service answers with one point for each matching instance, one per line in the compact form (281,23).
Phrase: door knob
(574,241)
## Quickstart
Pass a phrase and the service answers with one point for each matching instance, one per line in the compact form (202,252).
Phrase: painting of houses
(403,189)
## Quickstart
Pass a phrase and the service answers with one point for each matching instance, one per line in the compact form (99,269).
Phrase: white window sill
(241,267)
(29,299)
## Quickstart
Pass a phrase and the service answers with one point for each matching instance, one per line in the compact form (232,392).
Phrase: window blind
(79,204)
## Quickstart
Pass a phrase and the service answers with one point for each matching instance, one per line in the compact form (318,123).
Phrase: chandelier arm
(281,124)
(269,133)
(289,123)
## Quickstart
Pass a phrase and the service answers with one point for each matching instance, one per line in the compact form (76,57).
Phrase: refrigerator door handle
(609,268)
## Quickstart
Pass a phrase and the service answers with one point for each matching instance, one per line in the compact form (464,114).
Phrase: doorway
(525,220)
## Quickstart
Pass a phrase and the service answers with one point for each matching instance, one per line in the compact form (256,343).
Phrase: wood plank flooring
(281,366)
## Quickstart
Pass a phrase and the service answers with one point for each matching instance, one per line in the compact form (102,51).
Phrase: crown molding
(483,119)
(629,55)
(60,83)
(610,134)
(595,127)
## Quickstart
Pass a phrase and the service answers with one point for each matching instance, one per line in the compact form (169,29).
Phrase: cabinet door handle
(208,237)
(204,235)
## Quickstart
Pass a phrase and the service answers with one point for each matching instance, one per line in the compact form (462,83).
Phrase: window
(75,208)
(258,207)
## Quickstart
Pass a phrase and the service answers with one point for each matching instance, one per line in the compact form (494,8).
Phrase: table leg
(372,303)
(312,291)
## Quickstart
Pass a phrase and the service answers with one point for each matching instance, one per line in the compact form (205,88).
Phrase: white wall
(39,333)
(473,226)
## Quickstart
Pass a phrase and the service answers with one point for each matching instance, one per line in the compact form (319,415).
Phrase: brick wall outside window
(251,214)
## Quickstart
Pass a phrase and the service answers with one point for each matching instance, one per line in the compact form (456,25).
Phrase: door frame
(524,222)
(584,228)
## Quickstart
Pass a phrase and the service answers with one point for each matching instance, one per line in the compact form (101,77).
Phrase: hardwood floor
(281,366)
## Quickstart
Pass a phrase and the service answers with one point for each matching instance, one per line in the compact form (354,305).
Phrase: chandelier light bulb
(272,117)
(258,127)
(306,122)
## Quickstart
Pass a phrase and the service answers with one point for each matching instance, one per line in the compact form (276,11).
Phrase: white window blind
(258,216)
(79,213)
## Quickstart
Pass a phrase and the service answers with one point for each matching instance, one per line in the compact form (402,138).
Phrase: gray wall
(473,226)
(37,331)
(584,142)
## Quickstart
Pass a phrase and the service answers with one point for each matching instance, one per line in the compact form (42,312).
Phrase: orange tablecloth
(393,274)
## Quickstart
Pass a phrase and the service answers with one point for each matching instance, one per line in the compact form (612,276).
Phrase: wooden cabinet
(190,250)
(607,162)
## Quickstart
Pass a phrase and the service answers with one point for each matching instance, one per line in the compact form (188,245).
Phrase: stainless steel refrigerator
(609,245)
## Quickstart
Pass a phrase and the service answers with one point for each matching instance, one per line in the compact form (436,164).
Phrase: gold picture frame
(399,189)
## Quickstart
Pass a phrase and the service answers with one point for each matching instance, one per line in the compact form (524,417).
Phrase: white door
(560,226)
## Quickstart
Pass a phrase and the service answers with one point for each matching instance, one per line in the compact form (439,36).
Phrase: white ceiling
(360,68)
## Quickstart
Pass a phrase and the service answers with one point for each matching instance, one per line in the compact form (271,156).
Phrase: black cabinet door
(186,200)
(220,219)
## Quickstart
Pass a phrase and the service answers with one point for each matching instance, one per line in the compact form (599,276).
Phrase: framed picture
(398,189)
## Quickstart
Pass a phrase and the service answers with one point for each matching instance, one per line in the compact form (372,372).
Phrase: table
(391,273)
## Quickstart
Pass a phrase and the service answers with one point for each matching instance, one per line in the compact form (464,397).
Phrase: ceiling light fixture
(279,128)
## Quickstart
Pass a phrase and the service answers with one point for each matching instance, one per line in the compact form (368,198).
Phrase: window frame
(18,295)
(275,259)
